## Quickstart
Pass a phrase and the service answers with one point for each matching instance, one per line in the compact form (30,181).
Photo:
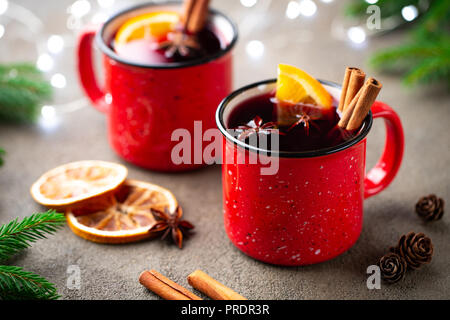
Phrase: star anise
(168,222)
(307,120)
(256,126)
(179,43)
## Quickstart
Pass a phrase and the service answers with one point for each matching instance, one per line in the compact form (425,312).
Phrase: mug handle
(86,71)
(382,174)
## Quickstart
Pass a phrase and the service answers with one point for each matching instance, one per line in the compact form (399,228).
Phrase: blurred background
(319,36)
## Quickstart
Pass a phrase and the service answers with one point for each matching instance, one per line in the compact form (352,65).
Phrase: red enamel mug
(146,103)
(311,209)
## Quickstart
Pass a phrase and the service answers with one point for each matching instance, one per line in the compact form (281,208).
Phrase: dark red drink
(313,128)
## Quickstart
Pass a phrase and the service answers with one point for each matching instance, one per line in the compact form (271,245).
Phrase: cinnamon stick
(211,287)
(164,287)
(195,15)
(368,95)
(353,81)
(343,122)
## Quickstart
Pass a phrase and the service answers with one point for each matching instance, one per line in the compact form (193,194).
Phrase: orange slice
(149,25)
(295,86)
(128,216)
(77,182)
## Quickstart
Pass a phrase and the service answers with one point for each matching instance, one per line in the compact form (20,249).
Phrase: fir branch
(23,89)
(429,70)
(2,153)
(16,236)
(16,283)
(425,58)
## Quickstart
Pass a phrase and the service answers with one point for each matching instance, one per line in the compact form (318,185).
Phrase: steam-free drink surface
(323,130)
(146,51)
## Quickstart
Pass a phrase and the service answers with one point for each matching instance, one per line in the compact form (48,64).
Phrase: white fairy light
(105,3)
(99,18)
(58,81)
(248,3)
(356,35)
(371,1)
(55,43)
(48,119)
(3,6)
(2,31)
(293,10)
(409,13)
(307,8)
(45,62)
(255,49)
(48,112)
(80,8)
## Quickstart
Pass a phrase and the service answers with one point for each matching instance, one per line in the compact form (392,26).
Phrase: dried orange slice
(75,183)
(128,216)
(150,25)
(295,86)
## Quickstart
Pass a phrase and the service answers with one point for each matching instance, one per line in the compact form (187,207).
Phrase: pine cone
(392,267)
(430,208)
(415,249)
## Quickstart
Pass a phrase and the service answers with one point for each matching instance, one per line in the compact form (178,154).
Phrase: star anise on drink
(170,222)
(306,120)
(180,43)
(256,126)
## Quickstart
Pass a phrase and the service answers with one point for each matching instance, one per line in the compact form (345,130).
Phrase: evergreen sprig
(18,284)
(2,153)
(425,58)
(16,236)
(23,89)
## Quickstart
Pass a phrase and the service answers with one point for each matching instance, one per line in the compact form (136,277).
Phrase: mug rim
(110,53)
(288,154)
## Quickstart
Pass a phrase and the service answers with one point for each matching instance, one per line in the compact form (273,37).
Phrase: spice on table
(164,287)
(211,287)
(392,267)
(415,248)
(430,208)
(171,223)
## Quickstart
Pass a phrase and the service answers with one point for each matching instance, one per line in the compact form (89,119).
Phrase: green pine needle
(23,89)
(2,153)
(16,236)
(18,284)
(425,58)
(429,70)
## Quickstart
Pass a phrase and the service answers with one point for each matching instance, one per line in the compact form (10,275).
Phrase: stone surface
(111,271)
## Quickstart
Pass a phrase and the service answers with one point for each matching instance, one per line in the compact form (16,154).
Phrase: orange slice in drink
(150,25)
(77,183)
(127,217)
(296,86)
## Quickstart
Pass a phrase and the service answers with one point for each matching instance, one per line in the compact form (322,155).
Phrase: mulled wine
(173,45)
(312,127)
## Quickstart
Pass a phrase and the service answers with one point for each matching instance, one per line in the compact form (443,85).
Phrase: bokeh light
(255,49)
(55,43)
(248,3)
(45,62)
(3,6)
(409,13)
(307,8)
(356,35)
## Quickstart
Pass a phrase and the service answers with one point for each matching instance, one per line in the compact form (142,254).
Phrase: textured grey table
(111,271)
